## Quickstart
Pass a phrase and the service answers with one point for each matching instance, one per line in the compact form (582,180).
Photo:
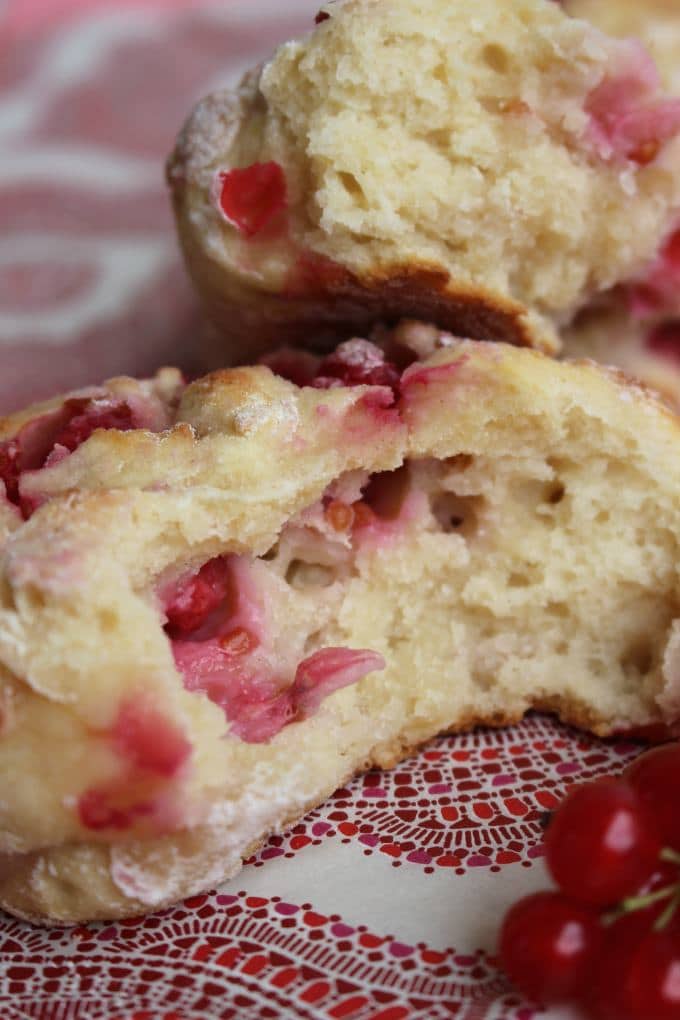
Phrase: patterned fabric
(381,905)
(384,903)
(91,283)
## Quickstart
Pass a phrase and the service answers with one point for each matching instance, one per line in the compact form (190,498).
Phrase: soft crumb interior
(496,587)
(427,131)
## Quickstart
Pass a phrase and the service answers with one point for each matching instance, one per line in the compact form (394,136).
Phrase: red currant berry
(547,945)
(250,197)
(605,996)
(655,776)
(637,975)
(665,878)
(653,978)
(601,845)
(89,415)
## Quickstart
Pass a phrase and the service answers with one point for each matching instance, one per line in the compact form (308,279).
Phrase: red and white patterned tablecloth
(381,905)
(384,903)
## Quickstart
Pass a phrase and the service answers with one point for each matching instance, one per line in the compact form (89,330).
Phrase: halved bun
(204,630)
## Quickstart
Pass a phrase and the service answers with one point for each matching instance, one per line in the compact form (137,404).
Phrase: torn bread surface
(212,625)
(637,326)
(489,169)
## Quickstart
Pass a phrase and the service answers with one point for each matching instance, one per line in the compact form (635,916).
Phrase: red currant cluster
(609,938)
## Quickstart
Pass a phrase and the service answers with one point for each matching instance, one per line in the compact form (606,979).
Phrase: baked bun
(646,349)
(487,167)
(637,327)
(205,630)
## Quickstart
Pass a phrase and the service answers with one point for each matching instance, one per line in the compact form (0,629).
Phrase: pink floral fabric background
(92,94)
(384,903)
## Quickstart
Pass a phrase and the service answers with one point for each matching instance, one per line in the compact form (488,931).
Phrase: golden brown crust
(339,304)
(257,322)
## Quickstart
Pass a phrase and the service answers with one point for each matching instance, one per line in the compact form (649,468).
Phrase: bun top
(505,143)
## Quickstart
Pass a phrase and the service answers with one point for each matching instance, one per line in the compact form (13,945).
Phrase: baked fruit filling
(664,341)
(394,549)
(469,576)
(151,750)
(658,292)
(630,119)
(223,623)
(45,440)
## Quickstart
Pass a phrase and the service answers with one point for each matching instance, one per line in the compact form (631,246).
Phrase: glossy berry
(655,776)
(637,973)
(604,995)
(652,981)
(665,876)
(601,845)
(250,197)
(547,946)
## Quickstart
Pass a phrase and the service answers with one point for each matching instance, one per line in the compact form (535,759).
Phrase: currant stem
(640,902)
(670,855)
(664,919)
(634,903)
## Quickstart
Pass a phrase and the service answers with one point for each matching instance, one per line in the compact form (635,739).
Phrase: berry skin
(653,978)
(299,367)
(547,946)
(601,845)
(637,973)
(655,776)
(10,469)
(250,197)
(605,995)
(146,738)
